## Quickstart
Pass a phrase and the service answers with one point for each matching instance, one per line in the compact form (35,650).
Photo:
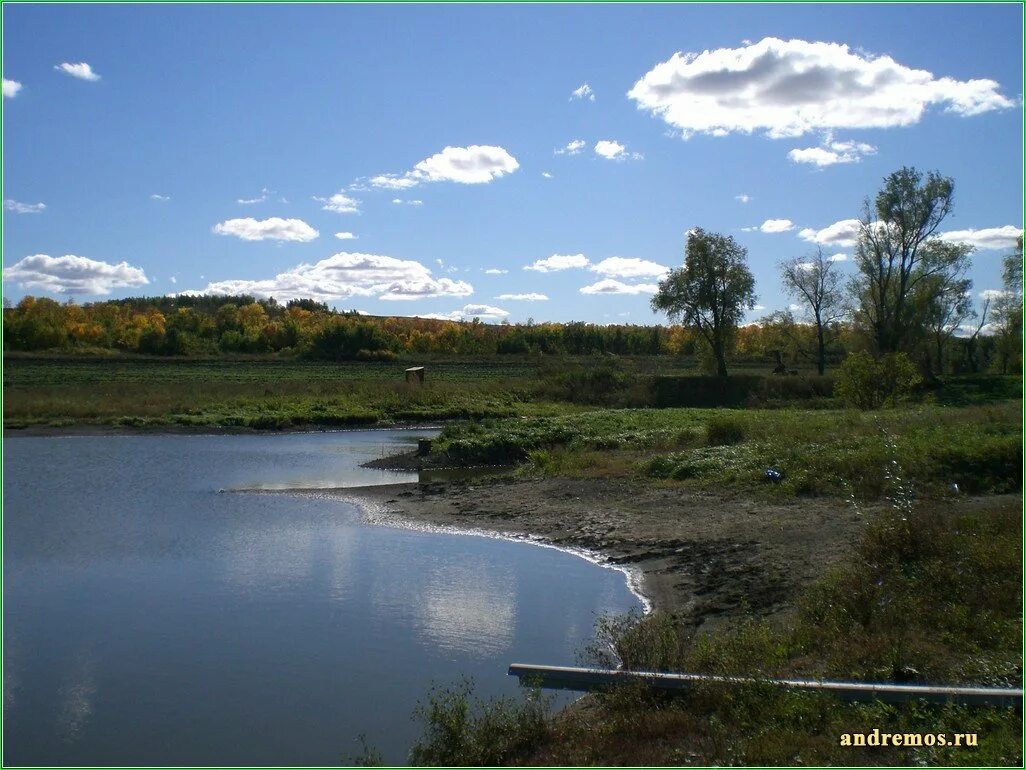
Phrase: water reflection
(469,608)
(282,557)
(149,620)
(75,696)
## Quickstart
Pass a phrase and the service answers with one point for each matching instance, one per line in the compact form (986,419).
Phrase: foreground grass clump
(821,451)
(931,593)
(461,731)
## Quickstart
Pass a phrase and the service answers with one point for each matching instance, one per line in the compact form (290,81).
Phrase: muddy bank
(705,556)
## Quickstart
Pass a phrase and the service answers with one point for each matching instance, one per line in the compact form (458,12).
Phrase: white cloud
(273,229)
(530,297)
(610,149)
(583,92)
(757,308)
(346,236)
(987,238)
(573,147)
(11,88)
(400,201)
(790,87)
(992,294)
(345,275)
(82,71)
(340,203)
(261,199)
(495,271)
(558,262)
(174,279)
(546,174)
(610,286)
(24,208)
(843,233)
(772,226)
(629,267)
(159,197)
(476,164)
(470,312)
(73,275)
(742,198)
(832,153)
(839,257)
(393,181)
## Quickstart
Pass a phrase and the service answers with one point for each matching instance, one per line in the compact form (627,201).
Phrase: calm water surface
(152,618)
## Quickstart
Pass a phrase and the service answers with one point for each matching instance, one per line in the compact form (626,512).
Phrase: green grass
(821,451)
(262,394)
(276,393)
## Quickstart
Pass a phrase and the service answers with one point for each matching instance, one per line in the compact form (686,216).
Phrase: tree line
(219,325)
(910,295)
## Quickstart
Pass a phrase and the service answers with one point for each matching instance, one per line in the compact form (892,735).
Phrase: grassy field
(277,393)
(257,393)
(820,451)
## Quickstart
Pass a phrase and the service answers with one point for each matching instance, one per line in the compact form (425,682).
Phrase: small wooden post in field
(415,374)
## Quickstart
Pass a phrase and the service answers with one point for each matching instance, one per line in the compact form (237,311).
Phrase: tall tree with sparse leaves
(711,292)
(815,282)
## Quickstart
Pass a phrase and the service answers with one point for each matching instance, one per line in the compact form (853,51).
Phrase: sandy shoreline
(708,557)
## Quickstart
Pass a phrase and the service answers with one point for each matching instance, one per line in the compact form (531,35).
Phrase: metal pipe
(584,679)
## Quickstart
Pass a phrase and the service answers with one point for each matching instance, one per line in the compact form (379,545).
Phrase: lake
(154,616)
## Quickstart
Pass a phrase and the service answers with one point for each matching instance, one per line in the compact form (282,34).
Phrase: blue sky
(287,106)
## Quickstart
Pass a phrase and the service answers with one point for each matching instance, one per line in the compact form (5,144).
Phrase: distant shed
(415,374)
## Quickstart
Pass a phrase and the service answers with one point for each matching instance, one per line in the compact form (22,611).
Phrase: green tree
(1008,312)
(894,252)
(942,300)
(711,292)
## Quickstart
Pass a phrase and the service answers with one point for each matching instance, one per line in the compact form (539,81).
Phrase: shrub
(723,431)
(656,642)
(593,384)
(703,391)
(792,388)
(865,382)
(459,733)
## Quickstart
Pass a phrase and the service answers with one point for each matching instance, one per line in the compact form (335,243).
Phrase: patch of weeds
(723,430)
(461,730)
